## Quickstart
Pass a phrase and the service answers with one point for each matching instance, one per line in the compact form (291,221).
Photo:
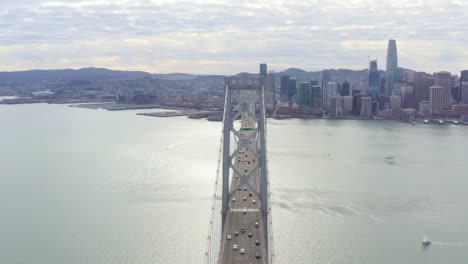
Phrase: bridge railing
(271,248)
(214,226)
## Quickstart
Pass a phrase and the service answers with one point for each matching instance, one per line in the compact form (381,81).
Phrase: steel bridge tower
(245,208)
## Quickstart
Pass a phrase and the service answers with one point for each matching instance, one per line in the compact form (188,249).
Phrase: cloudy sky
(226,37)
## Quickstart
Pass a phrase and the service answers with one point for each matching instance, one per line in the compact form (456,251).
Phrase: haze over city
(226,37)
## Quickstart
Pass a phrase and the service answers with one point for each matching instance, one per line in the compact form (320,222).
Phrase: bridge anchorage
(245,224)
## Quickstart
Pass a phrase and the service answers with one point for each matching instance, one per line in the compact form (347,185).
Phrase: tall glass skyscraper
(392,65)
(263,70)
(284,88)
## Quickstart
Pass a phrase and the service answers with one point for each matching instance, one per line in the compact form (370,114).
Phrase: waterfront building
(329,92)
(366,106)
(443,79)
(392,65)
(395,102)
(424,107)
(460,110)
(464,93)
(422,82)
(408,100)
(436,99)
(284,88)
(347,104)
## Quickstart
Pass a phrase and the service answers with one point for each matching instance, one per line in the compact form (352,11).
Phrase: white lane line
(242,210)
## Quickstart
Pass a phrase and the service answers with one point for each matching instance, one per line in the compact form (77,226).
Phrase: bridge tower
(245,208)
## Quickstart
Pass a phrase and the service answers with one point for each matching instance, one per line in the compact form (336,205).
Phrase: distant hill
(92,74)
(69,74)
(176,76)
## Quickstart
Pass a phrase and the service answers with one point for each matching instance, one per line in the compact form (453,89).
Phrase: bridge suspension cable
(213,238)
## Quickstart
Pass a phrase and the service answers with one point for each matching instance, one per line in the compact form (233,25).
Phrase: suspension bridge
(240,226)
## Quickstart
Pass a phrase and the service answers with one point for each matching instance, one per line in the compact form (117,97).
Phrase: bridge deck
(236,219)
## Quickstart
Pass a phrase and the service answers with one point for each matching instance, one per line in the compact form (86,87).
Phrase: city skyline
(217,37)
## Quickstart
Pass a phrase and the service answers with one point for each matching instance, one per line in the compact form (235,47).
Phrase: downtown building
(329,92)
(284,88)
(464,93)
(443,79)
(391,74)
(305,94)
(463,87)
(316,94)
(292,89)
(263,75)
(422,82)
(374,80)
(366,106)
(437,99)
(271,84)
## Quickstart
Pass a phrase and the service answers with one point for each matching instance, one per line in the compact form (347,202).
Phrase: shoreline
(210,115)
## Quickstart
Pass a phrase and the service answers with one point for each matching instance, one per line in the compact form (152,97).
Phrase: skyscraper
(284,88)
(304,94)
(315,94)
(345,89)
(422,82)
(463,76)
(326,77)
(392,65)
(374,80)
(366,106)
(464,93)
(271,84)
(374,76)
(436,99)
(292,90)
(443,79)
(329,91)
(263,70)
(263,75)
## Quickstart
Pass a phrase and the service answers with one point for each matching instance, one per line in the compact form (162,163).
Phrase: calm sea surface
(94,186)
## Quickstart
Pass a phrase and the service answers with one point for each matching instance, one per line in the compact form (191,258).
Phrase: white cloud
(226,36)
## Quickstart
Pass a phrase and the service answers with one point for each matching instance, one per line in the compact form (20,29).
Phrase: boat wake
(450,244)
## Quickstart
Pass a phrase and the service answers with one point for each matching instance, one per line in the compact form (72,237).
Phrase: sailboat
(425,241)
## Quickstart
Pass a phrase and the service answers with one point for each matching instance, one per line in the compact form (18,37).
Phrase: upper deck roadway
(244,223)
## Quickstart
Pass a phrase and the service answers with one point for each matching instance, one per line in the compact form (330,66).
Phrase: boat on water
(425,241)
